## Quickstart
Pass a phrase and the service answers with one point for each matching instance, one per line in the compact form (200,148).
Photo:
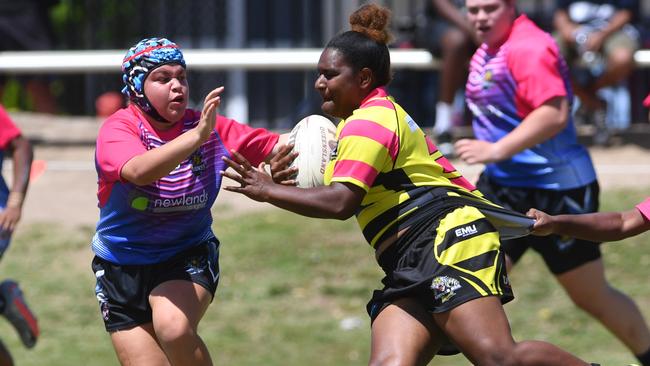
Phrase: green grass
(287,284)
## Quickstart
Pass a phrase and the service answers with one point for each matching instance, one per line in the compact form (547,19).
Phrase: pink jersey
(148,224)
(505,84)
(8,132)
(644,207)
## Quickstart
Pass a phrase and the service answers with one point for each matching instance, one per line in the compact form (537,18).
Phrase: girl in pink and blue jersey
(158,163)
(519,92)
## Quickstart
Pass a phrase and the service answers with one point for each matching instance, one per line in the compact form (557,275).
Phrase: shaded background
(273,99)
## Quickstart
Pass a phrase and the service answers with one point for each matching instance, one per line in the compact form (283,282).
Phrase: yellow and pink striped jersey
(382,150)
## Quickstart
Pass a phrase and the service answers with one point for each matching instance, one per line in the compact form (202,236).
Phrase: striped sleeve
(365,148)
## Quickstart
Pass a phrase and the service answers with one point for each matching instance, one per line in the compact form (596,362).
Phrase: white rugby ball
(313,138)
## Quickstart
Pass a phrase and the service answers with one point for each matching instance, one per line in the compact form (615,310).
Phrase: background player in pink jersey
(158,163)
(520,93)
(445,277)
(12,304)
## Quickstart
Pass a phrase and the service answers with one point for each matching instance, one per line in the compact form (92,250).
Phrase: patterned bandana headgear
(139,61)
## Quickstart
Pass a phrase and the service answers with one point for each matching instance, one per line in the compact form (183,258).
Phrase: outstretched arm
(22,156)
(598,226)
(335,201)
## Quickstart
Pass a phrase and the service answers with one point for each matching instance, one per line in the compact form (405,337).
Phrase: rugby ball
(314,138)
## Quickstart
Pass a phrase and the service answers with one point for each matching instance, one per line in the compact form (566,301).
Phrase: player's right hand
(281,171)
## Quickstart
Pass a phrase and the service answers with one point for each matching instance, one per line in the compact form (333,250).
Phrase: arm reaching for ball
(335,201)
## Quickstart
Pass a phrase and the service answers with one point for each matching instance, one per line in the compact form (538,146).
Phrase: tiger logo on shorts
(444,288)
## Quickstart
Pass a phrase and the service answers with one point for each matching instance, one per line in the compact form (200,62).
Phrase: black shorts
(123,290)
(444,262)
(561,254)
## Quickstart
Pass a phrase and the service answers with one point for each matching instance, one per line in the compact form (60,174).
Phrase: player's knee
(495,352)
(170,329)
(386,359)
(594,303)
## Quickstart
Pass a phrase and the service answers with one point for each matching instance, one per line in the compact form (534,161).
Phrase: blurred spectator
(25,26)
(449,37)
(646,103)
(108,103)
(598,39)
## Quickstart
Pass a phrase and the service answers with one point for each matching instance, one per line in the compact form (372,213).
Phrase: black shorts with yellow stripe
(444,261)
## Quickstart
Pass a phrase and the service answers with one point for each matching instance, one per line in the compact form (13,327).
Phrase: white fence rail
(78,62)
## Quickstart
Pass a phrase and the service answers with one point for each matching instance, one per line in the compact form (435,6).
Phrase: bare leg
(589,290)
(620,65)
(177,308)
(404,334)
(456,52)
(480,329)
(138,346)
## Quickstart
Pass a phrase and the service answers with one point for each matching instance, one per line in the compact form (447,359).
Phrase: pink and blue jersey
(507,83)
(8,132)
(149,224)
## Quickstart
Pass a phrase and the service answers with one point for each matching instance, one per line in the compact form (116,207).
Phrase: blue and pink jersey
(149,224)
(8,132)
(507,83)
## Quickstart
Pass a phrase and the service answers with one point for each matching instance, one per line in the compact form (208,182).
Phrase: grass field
(293,292)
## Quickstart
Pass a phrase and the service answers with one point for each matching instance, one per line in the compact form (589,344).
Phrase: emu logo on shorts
(465,231)
(444,288)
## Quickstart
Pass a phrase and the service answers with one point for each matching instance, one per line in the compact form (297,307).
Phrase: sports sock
(644,358)
(443,118)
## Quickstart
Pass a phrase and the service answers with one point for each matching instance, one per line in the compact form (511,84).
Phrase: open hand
(209,113)
(253,181)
